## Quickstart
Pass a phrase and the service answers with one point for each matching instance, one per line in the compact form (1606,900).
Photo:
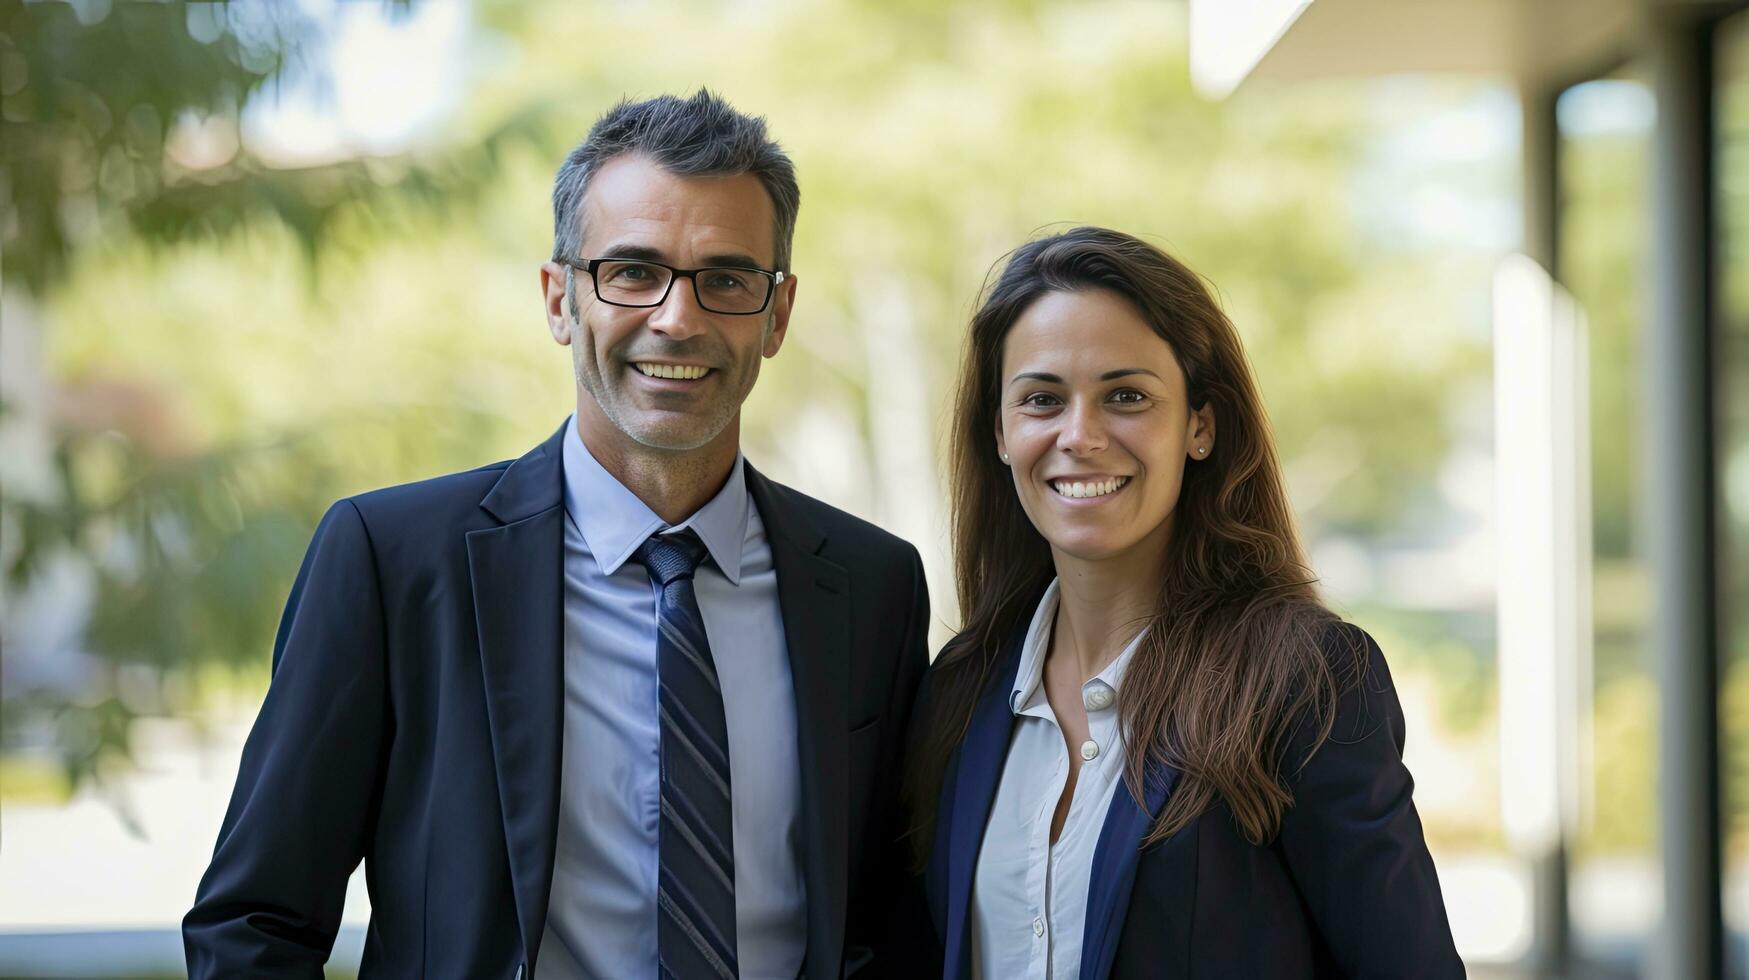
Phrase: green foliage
(87,107)
(93,113)
(185,539)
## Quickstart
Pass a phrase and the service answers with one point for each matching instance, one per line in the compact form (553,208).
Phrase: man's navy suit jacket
(415,718)
(1347,888)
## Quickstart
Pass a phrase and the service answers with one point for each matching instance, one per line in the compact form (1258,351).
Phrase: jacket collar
(517,570)
(529,485)
(974,771)
(814,595)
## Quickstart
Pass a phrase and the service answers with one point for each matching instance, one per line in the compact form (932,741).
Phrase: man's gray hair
(703,136)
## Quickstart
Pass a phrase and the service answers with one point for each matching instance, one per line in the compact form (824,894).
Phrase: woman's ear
(1001,444)
(1201,437)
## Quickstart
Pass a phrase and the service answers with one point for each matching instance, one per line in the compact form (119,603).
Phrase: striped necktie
(695,883)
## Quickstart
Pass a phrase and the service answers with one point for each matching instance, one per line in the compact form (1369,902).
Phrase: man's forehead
(632,200)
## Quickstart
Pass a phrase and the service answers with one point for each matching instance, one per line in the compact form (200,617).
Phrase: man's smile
(670,371)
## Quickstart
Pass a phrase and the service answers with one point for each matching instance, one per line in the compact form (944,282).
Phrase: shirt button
(1089,750)
(1098,696)
(1038,926)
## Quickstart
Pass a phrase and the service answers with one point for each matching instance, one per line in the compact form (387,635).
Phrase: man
(622,707)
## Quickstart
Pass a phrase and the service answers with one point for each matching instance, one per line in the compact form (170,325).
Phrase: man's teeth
(1097,488)
(682,372)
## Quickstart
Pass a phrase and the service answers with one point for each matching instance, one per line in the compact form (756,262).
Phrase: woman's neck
(1103,604)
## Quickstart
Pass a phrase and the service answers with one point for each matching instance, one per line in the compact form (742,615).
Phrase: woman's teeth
(1096,488)
(680,372)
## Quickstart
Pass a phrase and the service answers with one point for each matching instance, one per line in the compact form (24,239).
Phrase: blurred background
(1490,259)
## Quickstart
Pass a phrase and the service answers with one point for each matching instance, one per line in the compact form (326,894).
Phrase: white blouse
(1029,897)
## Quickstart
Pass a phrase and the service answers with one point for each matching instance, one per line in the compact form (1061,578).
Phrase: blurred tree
(122,123)
(130,115)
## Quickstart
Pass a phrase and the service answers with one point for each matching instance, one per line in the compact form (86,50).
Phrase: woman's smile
(1088,488)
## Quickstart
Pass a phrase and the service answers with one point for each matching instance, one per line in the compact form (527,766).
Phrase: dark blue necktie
(695,881)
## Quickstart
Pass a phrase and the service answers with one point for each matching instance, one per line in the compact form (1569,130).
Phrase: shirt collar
(1028,690)
(615,522)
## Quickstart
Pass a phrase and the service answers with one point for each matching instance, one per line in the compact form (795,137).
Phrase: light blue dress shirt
(601,918)
(1029,894)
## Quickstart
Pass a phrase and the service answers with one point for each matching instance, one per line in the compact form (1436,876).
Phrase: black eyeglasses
(641,284)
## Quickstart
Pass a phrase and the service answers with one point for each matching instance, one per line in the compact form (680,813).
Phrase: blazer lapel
(517,572)
(976,768)
(814,597)
(1113,875)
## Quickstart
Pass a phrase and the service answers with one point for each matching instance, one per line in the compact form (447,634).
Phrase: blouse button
(1089,750)
(1038,926)
(1098,696)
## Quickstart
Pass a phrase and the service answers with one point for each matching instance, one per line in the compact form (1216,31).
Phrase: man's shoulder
(848,537)
(452,498)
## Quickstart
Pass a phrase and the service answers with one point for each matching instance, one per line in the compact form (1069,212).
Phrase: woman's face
(1096,426)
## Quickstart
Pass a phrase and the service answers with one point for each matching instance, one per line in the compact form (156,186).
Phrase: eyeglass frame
(589,266)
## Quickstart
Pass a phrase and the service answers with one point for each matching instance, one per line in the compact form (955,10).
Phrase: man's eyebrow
(734,260)
(644,252)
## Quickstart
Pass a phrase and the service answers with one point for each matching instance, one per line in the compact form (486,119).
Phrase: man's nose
(679,316)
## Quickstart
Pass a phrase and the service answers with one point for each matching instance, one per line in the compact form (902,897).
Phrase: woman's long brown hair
(1231,663)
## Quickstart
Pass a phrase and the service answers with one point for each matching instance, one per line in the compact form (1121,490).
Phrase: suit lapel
(517,572)
(1114,867)
(976,771)
(814,597)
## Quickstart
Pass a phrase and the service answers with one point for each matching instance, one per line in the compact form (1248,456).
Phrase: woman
(1152,752)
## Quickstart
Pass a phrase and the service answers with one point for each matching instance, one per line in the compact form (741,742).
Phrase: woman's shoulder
(1350,653)
(1362,697)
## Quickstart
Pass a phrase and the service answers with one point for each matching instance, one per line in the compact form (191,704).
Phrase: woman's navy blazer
(1347,888)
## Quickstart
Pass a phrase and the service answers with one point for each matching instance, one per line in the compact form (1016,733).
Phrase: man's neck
(672,483)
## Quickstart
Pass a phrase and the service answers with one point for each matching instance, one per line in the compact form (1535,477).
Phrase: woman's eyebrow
(1111,375)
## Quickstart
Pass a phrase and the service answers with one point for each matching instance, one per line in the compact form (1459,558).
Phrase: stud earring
(1004,457)
(1200,450)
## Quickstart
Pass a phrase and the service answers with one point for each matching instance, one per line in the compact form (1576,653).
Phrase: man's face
(635,209)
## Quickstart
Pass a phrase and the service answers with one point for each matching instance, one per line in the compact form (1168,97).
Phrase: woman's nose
(1083,430)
